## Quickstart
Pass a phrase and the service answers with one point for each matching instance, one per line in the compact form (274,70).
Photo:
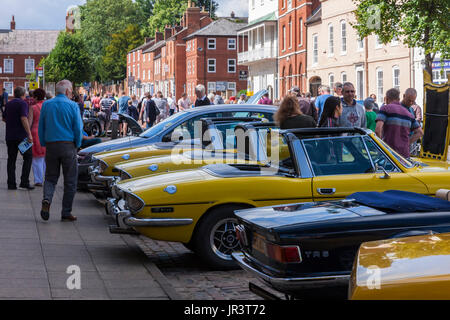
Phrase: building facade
(20,53)
(292,43)
(336,54)
(261,53)
(197,51)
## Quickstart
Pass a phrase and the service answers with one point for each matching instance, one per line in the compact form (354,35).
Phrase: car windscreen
(154,130)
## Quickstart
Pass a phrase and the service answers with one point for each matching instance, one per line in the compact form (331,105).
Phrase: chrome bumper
(96,177)
(125,220)
(290,284)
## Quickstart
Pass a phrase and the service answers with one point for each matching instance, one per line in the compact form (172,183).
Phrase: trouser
(39,169)
(13,148)
(61,155)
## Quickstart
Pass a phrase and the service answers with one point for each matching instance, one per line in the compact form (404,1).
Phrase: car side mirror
(386,174)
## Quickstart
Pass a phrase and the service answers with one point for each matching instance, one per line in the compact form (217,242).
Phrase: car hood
(115,144)
(300,213)
(161,181)
(124,151)
(433,165)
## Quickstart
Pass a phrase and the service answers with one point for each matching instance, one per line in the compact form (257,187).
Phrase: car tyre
(96,130)
(215,239)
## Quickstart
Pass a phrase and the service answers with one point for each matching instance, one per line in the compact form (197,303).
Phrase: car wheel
(95,129)
(215,238)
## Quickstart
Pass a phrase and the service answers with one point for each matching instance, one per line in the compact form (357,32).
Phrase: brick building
(176,60)
(20,53)
(292,47)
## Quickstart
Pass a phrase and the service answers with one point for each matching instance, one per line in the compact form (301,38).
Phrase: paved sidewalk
(35,255)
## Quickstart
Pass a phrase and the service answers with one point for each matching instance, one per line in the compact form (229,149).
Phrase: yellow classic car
(196,207)
(411,268)
(213,136)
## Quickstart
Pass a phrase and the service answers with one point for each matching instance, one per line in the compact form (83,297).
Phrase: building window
(360,83)
(139,71)
(193,66)
(29,65)
(188,46)
(129,57)
(343,37)
(232,44)
(143,74)
(396,77)
(284,38)
(8,87)
(315,49)
(344,77)
(330,40)
(211,65)
(301,33)
(439,76)
(290,34)
(134,56)
(360,44)
(231,65)
(331,82)
(134,71)
(380,90)
(378,43)
(163,51)
(212,43)
(139,56)
(232,86)
(8,66)
(289,4)
(189,67)
(129,71)
(149,74)
(211,87)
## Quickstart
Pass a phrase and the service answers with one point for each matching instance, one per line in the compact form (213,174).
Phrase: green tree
(114,62)
(169,12)
(418,23)
(144,11)
(69,60)
(100,19)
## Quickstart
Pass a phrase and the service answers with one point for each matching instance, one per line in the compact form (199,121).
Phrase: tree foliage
(170,12)
(69,60)
(418,23)
(100,19)
(114,62)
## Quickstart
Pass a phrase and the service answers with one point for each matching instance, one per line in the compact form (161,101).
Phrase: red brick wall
(18,77)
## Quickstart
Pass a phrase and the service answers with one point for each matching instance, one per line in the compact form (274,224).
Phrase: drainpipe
(366,65)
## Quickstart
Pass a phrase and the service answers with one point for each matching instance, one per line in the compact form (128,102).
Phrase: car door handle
(326,191)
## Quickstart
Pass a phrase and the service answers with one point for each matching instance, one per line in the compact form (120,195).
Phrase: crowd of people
(398,121)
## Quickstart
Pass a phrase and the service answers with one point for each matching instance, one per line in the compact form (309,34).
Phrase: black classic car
(307,250)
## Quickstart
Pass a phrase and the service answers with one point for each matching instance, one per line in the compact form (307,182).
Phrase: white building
(261,53)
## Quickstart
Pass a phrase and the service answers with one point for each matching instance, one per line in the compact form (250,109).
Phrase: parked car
(307,250)
(412,268)
(214,137)
(163,130)
(320,164)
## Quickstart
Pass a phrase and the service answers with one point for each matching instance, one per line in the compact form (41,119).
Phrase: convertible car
(307,250)
(163,131)
(196,207)
(217,143)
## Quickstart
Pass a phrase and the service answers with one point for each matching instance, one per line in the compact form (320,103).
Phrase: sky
(50,14)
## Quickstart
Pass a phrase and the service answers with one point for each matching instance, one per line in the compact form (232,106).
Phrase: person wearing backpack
(151,112)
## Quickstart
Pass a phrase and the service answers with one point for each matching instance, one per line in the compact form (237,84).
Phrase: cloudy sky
(50,14)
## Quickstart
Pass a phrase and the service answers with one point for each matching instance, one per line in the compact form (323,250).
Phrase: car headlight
(134,203)
(103,166)
(124,175)
(117,192)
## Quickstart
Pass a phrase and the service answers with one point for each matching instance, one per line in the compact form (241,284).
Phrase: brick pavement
(35,255)
(192,279)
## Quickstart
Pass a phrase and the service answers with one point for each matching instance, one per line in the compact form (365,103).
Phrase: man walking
(123,109)
(395,123)
(17,130)
(320,100)
(353,114)
(202,99)
(60,131)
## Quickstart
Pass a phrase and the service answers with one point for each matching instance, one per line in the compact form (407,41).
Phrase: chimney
(167,32)
(193,16)
(13,24)
(159,36)
(148,39)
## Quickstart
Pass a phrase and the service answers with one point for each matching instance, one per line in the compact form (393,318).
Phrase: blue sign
(439,65)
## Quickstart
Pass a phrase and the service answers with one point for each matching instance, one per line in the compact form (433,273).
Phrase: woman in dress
(38,150)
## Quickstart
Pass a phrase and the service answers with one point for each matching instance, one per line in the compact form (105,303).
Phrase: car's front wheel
(215,238)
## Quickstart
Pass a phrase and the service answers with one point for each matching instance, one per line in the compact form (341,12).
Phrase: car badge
(126,157)
(153,167)
(171,189)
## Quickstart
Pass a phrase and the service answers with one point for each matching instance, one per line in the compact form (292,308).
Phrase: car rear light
(284,254)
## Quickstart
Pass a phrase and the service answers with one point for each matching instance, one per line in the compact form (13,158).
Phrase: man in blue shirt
(320,100)
(123,109)
(60,131)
